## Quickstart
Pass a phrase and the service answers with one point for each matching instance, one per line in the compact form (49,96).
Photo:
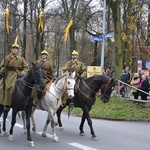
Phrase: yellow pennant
(67,29)
(40,25)
(6,19)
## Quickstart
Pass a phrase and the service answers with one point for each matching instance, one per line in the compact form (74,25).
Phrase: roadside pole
(103,37)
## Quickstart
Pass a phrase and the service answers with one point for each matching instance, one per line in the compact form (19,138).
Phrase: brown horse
(85,96)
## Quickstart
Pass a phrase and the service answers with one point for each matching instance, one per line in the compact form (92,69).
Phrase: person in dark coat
(127,80)
(144,86)
(108,73)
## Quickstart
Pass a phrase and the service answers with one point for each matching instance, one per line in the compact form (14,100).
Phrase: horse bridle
(106,86)
(64,89)
(104,94)
(32,85)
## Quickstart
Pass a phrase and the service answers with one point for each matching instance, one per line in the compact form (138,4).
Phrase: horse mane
(58,78)
(103,78)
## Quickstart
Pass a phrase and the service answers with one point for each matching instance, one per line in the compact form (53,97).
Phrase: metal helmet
(44,52)
(15,43)
(75,53)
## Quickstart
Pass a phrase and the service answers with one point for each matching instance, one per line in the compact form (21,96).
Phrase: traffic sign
(96,38)
(100,39)
(109,35)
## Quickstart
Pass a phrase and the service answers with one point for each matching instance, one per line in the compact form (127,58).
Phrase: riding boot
(5,114)
(1,109)
(71,103)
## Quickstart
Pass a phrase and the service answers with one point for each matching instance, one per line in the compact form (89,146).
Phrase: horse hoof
(94,138)
(81,134)
(61,129)
(11,138)
(31,144)
(25,131)
(44,134)
(6,134)
(56,140)
(56,123)
(33,129)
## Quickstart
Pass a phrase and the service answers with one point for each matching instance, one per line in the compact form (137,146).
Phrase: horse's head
(107,89)
(38,76)
(70,84)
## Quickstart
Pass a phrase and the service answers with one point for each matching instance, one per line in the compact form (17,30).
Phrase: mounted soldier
(75,65)
(47,67)
(12,66)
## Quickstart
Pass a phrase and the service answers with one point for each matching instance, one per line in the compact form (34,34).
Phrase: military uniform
(48,70)
(15,65)
(75,66)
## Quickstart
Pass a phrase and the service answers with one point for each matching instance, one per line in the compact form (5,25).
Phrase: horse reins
(61,91)
(105,85)
(29,86)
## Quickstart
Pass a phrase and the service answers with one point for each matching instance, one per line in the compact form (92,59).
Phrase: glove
(80,72)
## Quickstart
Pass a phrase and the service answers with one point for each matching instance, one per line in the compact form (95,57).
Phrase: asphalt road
(112,135)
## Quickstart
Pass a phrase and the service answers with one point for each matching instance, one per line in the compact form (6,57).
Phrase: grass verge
(118,109)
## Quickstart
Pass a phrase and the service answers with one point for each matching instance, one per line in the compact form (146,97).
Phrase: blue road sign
(100,39)
(109,35)
(96,38)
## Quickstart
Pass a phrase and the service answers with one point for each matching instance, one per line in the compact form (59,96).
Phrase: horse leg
(1,111)
(32,119)
(55,138)
(13,121)
(24,122)
(59,110)
(28,115)
(45,126)
(87,116)
(5,114)
(82,124)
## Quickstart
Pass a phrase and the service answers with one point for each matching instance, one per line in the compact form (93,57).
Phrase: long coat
(48,70)
(136,83)
(75,66)
(15,65)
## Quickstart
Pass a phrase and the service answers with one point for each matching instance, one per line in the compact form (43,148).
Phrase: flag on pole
(6,19)
(67,29)
(40,25)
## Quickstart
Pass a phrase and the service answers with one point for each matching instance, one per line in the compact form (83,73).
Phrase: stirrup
(71,105)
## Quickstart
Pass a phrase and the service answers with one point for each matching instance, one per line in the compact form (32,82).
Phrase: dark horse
(85,96)
(22,99)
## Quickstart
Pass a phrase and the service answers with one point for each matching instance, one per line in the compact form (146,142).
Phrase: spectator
(136,83)
(127,80)
(141,72)
(122,78)
(108,73)
(144,86)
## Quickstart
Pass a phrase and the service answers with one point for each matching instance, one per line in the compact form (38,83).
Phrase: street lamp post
(103,37)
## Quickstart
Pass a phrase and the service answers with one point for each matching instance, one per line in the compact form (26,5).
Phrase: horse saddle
(76,87)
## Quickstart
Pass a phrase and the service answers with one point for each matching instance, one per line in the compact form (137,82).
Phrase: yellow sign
(93,70)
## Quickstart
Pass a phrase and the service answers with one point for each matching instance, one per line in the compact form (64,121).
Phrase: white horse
(52,101)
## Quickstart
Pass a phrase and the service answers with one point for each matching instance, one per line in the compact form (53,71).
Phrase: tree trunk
(114,5)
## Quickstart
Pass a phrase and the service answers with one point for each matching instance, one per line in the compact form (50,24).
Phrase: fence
(138,100)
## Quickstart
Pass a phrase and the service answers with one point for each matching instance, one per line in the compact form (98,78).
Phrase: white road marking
(81,146)
(48,135)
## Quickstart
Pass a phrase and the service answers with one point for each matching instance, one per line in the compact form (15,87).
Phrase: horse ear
(33,64)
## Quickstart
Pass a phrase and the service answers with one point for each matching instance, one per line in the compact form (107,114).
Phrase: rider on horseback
(75,65)
(48,74)
(15,66)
